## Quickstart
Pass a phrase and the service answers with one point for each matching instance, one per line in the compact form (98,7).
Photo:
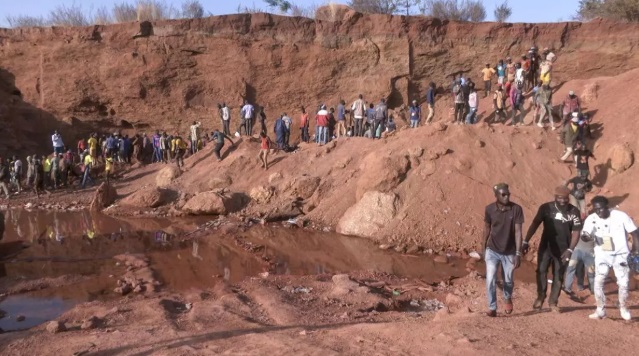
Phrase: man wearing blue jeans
(503,222)
(415,114)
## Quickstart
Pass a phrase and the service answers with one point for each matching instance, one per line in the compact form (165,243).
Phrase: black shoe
(539,302)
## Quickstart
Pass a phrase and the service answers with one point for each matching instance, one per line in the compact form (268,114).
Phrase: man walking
(562,223)
(219,137)
(503,220)
(609,230)
(570,134)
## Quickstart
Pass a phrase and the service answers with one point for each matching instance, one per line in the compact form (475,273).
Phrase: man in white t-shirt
(609,229)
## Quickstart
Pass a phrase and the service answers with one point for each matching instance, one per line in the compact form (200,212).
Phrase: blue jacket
(430,96)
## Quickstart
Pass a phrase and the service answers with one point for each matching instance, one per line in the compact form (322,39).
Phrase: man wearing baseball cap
(503,220)
(562,224)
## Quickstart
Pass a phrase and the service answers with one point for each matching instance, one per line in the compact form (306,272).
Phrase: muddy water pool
(72,252)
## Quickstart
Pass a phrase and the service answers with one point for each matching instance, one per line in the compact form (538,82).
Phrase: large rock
(150,197)
(262,194)
(206,203)
(216,182)
(381,173)
(55,327)
(166,175)
(305,186)
(369,215)
(621,158)
(104,196)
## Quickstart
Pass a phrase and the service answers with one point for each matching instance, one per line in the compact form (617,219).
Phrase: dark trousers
(359,128)
(179,157)
(218,149)
(242,125)
(226,127)
(305,135)
(249,127)
(459,112)
(287,137)
(545,260)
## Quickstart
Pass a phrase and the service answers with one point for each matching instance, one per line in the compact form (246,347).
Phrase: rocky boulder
(621,158)
(207,203)
(381,173)
(150,197)
(369,215)
(262,194)
(216,182)
(166,175)
(104,196)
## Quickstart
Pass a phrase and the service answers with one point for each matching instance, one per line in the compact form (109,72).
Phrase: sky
(523,10)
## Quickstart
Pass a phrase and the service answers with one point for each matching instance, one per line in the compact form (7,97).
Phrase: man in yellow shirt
(93,146)
(88,162)
(488,76)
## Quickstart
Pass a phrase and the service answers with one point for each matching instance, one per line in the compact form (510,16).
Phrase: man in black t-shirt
(502,243)
(562,224)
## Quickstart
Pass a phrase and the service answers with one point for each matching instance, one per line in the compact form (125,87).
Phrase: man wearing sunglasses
(609,230)
(503,220)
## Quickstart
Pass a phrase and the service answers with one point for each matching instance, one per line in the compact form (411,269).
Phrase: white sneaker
(540,124)
(625,314)
(598,314)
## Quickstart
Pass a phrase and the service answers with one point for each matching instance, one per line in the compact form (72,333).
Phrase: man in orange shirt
(488,76)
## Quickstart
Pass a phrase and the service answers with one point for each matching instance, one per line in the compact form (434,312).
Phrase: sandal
(509,307)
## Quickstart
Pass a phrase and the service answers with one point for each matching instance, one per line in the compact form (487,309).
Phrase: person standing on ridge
(488,77)
(195,135)
(517,100)
(499,104)
(304,123)
(459,102)
(562,224)
(473,105)
(430,100)
(280,132)
(501,72)
(248,113)
(288,124)
(415,114)
(381,115)
(340,130)
(58,145)
(226,119)
(265,146)
(321,120)
(503,222)
(359,113)
(609,230)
